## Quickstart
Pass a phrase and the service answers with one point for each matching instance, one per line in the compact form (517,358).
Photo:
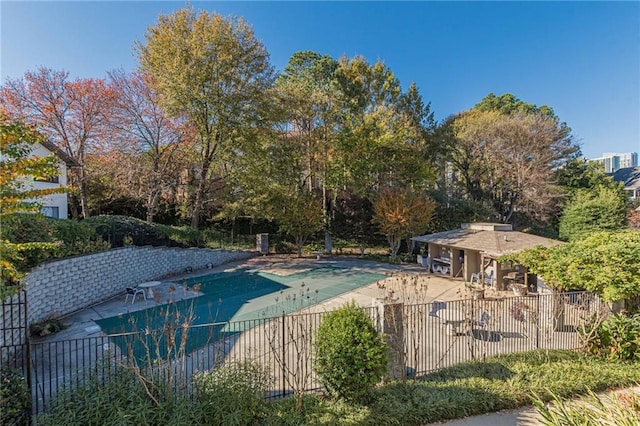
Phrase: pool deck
(409,283)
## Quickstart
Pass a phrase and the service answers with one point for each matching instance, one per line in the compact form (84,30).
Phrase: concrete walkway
(523,416)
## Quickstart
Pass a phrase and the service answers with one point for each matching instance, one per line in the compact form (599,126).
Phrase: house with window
(54,205)
(630,178)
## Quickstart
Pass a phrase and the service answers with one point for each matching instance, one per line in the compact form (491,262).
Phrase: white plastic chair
(134,291)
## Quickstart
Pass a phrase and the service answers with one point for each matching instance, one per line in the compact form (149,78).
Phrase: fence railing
(422,338)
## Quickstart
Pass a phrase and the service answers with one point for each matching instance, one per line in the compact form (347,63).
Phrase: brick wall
(64,286)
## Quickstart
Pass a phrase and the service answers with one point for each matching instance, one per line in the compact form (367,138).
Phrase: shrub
(46,326)
(72,237)
(118,398)
(616,338)
(123,230)
(15,399)
(351,356)
(233,394)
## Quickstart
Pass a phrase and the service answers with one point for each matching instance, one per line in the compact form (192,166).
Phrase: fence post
(390,317)
(284,356)
(538,320)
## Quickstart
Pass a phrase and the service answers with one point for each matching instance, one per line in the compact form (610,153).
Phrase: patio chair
(133,292)
(485,317)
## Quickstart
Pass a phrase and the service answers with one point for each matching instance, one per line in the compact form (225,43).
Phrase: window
(53,179)
(51,211)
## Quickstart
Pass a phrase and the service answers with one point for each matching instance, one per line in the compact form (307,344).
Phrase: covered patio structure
(472,252)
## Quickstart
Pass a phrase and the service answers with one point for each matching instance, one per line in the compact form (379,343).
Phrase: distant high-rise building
(614,161)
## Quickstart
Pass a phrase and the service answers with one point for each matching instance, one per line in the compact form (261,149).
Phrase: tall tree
(382,140)
(17,171)
(213,72)
(149,135)
(510,160)
(72,113)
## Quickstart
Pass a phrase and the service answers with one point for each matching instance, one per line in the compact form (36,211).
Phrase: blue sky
(580,58)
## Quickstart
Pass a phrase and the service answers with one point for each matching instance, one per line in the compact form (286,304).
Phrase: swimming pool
(244,295)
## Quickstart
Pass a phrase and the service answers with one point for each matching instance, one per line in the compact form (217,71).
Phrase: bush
(616,338)
(119,398)
(15,399)
(233,394)
(351,356)
(123,230)
(73,237)
(46,326)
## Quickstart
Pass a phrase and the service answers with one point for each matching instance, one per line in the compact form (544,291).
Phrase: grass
(469,389)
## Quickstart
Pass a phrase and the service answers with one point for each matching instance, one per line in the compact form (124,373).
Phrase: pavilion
(473,251)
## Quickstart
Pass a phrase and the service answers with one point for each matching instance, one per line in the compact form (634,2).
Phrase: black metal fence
(422,337)
(14,347)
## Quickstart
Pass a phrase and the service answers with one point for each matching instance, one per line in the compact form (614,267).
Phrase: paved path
(525,416)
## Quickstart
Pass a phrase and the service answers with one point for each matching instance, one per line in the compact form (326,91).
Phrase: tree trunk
(197,203)
(82,190)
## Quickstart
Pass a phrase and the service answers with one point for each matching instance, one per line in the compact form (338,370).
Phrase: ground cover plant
(617,409)
(466,389)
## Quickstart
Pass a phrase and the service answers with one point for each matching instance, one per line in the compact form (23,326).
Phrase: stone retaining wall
(64,286)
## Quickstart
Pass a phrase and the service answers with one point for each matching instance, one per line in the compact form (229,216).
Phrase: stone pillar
(390,322)
(262,243)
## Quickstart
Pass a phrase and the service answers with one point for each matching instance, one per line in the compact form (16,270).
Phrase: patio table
(148,286)
(452,319)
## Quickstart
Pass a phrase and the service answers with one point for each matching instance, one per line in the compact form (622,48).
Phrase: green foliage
(233,394)
(601,209)
(616,338)
(15,398)
(351,356)
(121,229)
(17,169)
(214,73)
(64,237)
(606,263)
(509,104)
(618,409)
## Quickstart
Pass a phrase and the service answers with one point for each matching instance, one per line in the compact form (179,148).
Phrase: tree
(510,160)
(214,73)
(383,137)
(298,214)
(402,214)
(353,219)
(607,263)
(17,171)
(147,133)
(73,114)
(601,209)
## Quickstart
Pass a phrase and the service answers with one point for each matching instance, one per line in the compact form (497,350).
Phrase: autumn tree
(147,135)
(402,214)
(73,114)
(17,195)
(215,74)
(509,160)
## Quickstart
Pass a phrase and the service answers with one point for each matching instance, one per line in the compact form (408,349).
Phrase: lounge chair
(133,292)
